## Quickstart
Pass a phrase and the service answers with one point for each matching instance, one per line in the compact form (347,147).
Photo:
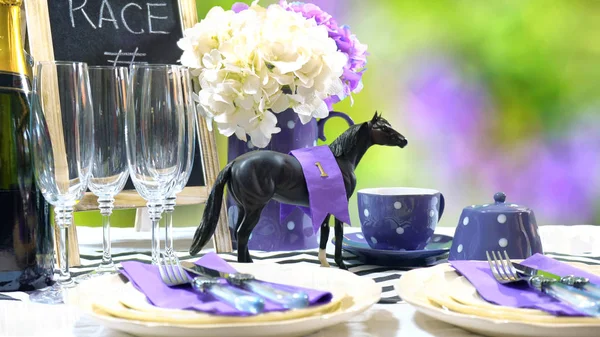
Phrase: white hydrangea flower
(259,62)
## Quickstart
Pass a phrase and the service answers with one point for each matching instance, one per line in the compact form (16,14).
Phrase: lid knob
(499,197)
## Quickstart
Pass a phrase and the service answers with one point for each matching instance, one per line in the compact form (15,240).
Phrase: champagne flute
(109,168)
(154,135)
(62,145)
(187,160)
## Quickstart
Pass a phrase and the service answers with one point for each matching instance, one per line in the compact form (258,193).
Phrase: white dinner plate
(431,292)
(360,294)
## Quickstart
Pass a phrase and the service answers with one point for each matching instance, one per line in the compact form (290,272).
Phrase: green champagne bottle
(26,245)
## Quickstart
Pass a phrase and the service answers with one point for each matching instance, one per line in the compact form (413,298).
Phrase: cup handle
(322,121)
(442,205)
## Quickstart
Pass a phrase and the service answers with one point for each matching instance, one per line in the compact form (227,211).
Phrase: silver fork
(172,274)
(504,273)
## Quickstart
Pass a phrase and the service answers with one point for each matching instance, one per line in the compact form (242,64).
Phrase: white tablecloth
(382,320)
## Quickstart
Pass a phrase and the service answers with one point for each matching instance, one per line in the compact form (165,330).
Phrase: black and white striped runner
(384,276)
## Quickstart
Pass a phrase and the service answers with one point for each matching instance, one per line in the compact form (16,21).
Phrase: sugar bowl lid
(499,206)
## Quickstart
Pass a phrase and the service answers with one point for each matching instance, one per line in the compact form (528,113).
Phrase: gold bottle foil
(11,2)
(12,54)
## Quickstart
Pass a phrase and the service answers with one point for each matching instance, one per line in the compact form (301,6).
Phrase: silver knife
(290,300)
(578,282)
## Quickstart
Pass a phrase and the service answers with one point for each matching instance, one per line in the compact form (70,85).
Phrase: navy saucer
(434,252)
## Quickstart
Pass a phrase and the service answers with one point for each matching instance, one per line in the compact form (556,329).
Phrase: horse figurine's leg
(249,221)
(323,243)
(339,236)
(241,216)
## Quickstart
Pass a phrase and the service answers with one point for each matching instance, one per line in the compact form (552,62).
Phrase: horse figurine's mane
(346,141)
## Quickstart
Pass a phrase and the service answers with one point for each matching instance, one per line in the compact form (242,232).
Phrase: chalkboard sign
(120,32)
(115,32)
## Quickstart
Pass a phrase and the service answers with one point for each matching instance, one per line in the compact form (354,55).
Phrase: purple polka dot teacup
(399,218)
(499,226)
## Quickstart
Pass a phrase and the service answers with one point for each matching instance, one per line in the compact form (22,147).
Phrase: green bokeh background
(538,64)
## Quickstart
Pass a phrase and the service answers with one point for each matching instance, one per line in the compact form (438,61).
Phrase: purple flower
(556,180)
(558,175)
(440,98)
(239,6)
(346,42)
(443,103)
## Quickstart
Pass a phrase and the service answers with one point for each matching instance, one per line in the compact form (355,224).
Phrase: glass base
(55,294)
(102,270)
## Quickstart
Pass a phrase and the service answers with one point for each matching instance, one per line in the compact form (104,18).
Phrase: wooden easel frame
(41,48)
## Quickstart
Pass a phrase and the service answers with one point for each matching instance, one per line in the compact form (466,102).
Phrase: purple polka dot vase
(296,231)
(499,226)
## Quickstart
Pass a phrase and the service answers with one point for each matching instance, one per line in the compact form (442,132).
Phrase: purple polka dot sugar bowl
(399,218)
(498,226)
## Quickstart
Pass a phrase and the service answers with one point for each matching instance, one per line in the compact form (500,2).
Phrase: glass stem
(155,209)
(169,207)
(106,204)
(64,219)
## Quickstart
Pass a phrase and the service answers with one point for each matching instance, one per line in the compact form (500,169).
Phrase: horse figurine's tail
(211,212)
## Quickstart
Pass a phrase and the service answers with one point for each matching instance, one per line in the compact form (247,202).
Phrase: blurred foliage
(538,58)
(537,63)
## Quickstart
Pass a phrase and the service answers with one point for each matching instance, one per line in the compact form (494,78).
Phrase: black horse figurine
(257,177)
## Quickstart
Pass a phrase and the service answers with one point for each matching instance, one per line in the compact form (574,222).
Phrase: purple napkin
(146,278)
(520,295)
